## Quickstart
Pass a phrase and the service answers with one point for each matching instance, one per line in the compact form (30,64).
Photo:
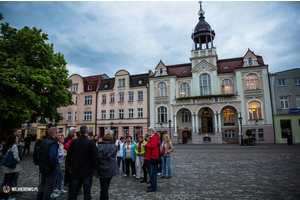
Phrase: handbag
(155,161)
(9,160)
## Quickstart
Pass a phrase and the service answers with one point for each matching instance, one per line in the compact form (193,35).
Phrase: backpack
(36,151)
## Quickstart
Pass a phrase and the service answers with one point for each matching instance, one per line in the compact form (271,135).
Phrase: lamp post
(111,125)
(66,130)
(170,128)
(242,142)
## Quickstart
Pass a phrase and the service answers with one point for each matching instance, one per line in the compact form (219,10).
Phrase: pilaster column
(193,123)
(216,125)
(220,123)
(197,124)
(175,124)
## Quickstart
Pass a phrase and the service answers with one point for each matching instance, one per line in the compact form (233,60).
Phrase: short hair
(83,129)
(52,130)
(71,135)
(128,137)
(15,130)
(150,127)
(122,137)
(140,136)
(108,137)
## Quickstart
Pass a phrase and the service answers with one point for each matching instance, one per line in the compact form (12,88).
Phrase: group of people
(138,157)
(78,158)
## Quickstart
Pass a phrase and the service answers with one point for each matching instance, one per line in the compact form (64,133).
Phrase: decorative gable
(204,66)
(161,69)
(250,59)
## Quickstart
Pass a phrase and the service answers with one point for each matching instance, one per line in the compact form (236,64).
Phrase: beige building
(123,105)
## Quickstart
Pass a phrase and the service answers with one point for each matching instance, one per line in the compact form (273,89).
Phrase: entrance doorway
(207,123)
(186,136)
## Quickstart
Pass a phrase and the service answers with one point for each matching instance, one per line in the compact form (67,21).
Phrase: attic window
(89,87)
(250,61)
(184,72)
(105,86)
(160,70)
(226,67)
(140,82)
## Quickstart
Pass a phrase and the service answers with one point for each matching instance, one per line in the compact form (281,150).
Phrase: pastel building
(123,105)
(210,100)
(285,90)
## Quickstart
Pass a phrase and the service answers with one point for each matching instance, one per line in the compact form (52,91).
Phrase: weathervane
(201,11)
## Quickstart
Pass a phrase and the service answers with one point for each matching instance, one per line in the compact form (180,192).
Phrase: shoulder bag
(9,160)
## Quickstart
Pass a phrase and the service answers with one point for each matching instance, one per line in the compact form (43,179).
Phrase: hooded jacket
(107,163)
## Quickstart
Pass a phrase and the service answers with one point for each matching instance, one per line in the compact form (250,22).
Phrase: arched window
(205,85)
(228,117)
(162,87)
(252,81)
(254,110)
(184,90)
(227,86)
(226,67)
(162,115)
(186,116)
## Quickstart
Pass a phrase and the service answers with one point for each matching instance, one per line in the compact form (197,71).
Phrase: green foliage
(249,133)
(33,78)
(205,97)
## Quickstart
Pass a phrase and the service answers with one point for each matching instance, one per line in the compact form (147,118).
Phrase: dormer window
(89,87)
(105,86)
(250,61)
(160,71)
(184,72)
(226,67)
(140,82)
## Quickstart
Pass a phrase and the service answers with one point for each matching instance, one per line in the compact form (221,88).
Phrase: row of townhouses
(207,100)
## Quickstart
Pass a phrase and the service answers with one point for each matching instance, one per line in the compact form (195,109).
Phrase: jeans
(58,177)
(123,163)
(104,185)
(166,162)
(153,176)
(46,186)
(128,162)
(149,169)
(76,185)
(8,178)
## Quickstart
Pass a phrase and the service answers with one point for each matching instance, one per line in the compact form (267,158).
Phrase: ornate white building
(210,100)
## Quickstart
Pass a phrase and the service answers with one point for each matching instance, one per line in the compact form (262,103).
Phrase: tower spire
(201,12)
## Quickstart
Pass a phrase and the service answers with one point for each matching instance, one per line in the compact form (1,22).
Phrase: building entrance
(207,123)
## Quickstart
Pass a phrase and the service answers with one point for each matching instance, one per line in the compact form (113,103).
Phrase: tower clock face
(204,66)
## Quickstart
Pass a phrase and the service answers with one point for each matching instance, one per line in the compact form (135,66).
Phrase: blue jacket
(132,147)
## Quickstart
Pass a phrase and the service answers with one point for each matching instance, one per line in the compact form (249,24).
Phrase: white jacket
(120,152)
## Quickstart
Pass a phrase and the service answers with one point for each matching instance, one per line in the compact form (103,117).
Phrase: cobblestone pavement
(204,172)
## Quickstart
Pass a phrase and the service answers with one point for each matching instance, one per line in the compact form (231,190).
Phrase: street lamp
(111,125)
(240,118)
(170,128)
(66,129)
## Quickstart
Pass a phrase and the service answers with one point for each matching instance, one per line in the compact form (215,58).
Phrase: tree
(33,78)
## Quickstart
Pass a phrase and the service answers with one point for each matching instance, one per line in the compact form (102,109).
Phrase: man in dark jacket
(82,159)
(48,163)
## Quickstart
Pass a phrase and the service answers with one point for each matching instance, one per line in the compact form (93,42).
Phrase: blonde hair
(108,137)
(167,138)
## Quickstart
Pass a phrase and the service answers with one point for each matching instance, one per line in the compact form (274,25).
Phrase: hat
(72,128)
(111,132)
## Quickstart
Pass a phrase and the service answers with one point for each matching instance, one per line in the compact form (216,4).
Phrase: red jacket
(152,148)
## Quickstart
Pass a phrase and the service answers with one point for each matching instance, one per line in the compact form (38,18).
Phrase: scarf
(128,143)
(163,149)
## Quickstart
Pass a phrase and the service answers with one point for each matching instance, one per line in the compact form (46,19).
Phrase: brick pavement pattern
(203,172)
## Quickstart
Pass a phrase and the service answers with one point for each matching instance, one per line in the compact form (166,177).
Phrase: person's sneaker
(158,174)
(125,175)
(133,175)
(54,195)
(61,191)
(56,190)
(11,199)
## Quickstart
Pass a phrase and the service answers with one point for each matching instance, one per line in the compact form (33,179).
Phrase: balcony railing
(209,98)
(253,93)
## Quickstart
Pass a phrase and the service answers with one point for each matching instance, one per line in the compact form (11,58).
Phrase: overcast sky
(103,37)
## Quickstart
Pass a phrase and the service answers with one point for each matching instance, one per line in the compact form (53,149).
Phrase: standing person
(9,173)
(140,157)
(27,145)
(119,144)
(95,138)
(159,166)
(83,160)
(166,149)
(152,146)
(146,165)
(107,167)
(71,130)
(60,157)
(17,132)
(71,136)
(48,164)
(129,155)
